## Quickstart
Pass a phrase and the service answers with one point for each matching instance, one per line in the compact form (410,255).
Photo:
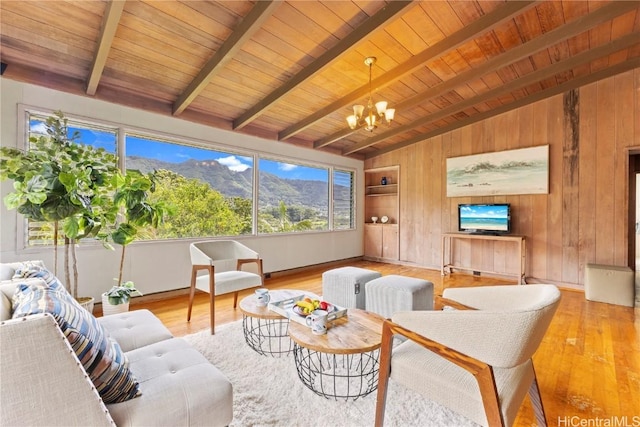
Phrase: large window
(213,191)
(292,197)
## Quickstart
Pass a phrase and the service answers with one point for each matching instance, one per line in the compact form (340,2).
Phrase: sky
(175,153)
(484,211)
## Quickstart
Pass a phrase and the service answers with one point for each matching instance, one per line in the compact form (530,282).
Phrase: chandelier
(367,120)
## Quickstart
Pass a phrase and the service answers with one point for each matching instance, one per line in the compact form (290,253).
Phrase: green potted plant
(137,216)
(116,299)
(60,180)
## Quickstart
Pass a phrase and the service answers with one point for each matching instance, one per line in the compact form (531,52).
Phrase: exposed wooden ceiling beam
(387,13)
(529,79)
(469,32)
(107,33)
(547,93)
(575,27)
(249,25)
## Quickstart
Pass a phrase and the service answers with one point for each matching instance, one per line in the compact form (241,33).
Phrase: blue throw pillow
(101,357)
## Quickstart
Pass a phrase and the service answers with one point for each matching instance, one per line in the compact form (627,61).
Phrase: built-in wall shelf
(381,241)
(382,190)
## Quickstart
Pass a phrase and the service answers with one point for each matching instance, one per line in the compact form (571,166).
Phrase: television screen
(484,218)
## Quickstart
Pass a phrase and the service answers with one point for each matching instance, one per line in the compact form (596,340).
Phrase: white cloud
(233,163)
(39,128)
(286,167)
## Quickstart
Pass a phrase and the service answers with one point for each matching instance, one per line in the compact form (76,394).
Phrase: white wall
(164,265)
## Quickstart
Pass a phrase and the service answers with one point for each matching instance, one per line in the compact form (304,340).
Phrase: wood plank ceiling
(291,70)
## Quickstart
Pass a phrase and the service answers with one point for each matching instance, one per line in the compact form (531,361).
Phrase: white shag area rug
(268,392)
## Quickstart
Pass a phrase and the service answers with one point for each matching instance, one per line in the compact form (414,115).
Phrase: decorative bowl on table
(300,311)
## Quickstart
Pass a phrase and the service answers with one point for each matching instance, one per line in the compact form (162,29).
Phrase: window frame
(122,131)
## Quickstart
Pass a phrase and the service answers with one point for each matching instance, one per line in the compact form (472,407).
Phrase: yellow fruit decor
(308,305)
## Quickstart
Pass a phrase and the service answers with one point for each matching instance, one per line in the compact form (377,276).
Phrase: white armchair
(222,262)
(474,359)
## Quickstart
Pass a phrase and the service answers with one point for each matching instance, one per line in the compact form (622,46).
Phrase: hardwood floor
(588,364)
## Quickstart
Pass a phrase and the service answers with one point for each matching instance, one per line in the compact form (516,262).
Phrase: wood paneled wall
(584,218)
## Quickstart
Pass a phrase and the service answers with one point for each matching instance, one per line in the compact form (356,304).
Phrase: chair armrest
(441,302)
(198,257)
(470,364)
(482,372)
(208,267)
(43,382)
(257,261)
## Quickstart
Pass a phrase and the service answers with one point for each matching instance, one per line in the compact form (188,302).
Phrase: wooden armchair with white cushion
(222,262)
(475,361)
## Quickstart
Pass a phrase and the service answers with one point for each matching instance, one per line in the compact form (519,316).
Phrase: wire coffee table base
(268,337)
(338,376)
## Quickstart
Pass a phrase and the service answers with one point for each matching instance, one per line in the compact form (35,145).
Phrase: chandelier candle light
(368,121)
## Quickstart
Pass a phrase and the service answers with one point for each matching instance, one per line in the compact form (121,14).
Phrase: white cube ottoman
(390,294)
(610,284)
(345,286)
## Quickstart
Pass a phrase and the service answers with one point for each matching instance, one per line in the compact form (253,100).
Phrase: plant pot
(86,303)
(108,308)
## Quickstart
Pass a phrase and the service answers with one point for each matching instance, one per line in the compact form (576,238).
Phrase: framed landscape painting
(521,171)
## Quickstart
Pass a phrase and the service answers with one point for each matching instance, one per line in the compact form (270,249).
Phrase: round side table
(343,364)
(266,331)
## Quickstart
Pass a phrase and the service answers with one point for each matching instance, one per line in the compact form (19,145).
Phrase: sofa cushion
(6,271)
(5,307)
(179,387)
(135,329)
(101,356)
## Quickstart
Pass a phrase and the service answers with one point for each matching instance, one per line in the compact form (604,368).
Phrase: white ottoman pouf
(610,284)
(345,286)
(390,294)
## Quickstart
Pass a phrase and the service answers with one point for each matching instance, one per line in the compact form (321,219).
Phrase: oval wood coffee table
(343,363)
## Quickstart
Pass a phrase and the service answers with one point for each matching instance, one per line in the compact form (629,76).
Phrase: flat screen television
(491,219)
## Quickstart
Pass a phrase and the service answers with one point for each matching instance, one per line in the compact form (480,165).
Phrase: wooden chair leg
(192,291)
(536,401)
(235,300)
(212,301)
(489,393)
(383,373)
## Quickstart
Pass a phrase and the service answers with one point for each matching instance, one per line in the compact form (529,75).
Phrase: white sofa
(44,382)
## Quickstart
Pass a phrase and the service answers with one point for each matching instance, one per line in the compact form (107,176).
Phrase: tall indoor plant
(59,179)
(137,215)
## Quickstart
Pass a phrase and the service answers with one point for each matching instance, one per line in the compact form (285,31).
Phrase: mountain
(229,183)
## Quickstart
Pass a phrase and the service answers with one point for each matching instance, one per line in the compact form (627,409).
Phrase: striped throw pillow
(101,356)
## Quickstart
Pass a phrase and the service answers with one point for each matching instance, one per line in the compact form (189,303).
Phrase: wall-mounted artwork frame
(520,171)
